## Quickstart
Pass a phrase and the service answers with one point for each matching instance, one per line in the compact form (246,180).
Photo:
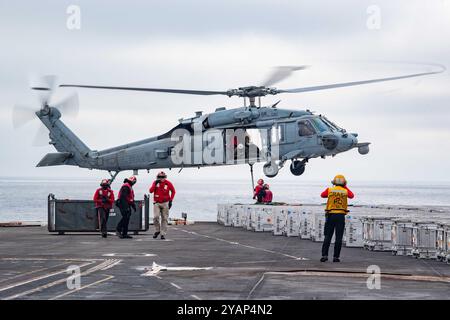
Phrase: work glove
(133,205)
(170,204)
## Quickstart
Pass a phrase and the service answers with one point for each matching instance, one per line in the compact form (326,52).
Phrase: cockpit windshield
(331,124)
(320,125)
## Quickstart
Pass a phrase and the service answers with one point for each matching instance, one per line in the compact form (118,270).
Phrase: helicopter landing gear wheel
(270,169)
(297,167)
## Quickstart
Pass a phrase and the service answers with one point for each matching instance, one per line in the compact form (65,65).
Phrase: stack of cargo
(306,216)
(262,218)
(441,239)
(279,220)
(318,227)
(402,237)
(366,226)
(238,215)
(377,233)
(353,231)
(425,240)
(447,235)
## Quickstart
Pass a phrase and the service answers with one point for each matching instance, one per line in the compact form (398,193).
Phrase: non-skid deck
(203,261)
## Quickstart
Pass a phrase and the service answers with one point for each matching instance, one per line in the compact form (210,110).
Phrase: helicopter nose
(346,142)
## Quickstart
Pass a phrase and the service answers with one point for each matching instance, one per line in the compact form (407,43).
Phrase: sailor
(164,192)
(125,202)
(335,212)
(258,188)
(103,199)
(267,194)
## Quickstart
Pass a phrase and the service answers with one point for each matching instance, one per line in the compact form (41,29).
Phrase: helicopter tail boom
(71,150)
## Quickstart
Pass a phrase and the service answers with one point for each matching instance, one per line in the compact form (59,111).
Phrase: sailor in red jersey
(125,202)
(103,199)
(164,192)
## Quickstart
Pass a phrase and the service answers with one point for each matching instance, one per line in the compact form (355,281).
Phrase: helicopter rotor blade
(41,138)
(196,92)
(69,106)
(44,86)
(356,83)
(22,115)
(281,73)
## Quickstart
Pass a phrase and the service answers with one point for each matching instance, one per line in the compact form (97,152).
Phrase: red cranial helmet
(161,175)
(266,186)
(132,179)
(105,183)
(260,181)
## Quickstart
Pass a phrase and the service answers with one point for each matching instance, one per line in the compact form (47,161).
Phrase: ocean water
(26,199)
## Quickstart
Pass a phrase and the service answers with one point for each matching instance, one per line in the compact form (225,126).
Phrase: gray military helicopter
(300,135)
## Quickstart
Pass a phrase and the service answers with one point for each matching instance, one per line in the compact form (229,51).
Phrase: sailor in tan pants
(164,192)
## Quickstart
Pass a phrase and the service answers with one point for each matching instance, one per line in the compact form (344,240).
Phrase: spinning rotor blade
(44,85)
(281,73)
(196,92)
(41,138)
(69,106)
(22,115)
(356,83)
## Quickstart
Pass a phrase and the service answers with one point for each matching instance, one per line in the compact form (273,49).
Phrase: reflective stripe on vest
(337,200)
(108,194)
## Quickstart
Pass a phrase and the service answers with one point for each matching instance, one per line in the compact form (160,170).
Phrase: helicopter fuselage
(219,138)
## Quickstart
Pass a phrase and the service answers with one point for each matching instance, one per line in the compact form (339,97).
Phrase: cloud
(221,45)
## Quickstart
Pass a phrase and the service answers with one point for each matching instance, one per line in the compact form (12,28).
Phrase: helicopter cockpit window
(305,128)
(320,125)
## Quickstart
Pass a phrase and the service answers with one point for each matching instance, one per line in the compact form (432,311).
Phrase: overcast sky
(221,45)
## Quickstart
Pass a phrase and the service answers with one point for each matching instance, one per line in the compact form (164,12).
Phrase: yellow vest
(337,200)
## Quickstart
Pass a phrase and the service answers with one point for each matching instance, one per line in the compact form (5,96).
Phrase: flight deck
(202,261)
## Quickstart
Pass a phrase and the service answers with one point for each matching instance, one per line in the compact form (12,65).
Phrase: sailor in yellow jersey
(335,212)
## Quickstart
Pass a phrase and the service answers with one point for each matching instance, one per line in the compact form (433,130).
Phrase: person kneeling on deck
(125,202)
(257,194)
(164,192)
(335,212)
(268,195)
(103,199)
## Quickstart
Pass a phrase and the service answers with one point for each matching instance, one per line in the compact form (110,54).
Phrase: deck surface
(203,261)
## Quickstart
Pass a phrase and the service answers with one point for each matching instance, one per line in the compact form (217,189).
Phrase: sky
(218,45)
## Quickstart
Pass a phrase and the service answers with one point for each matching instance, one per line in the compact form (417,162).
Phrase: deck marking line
(246,246)
(156,269)
(31,272)
(51,284)
(81,288)
(195,297)
(176,286)
(40,278)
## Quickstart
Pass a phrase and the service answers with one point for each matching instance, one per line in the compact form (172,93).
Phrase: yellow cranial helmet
(339,180)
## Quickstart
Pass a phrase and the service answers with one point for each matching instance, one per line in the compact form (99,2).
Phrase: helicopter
(222,137)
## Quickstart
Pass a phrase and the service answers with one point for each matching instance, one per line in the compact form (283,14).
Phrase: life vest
(268,197)
(98,198)
(163,191)
(130,197)
(257,190)
(337,200)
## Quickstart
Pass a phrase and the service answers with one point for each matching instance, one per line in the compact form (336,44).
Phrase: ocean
(23,199)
